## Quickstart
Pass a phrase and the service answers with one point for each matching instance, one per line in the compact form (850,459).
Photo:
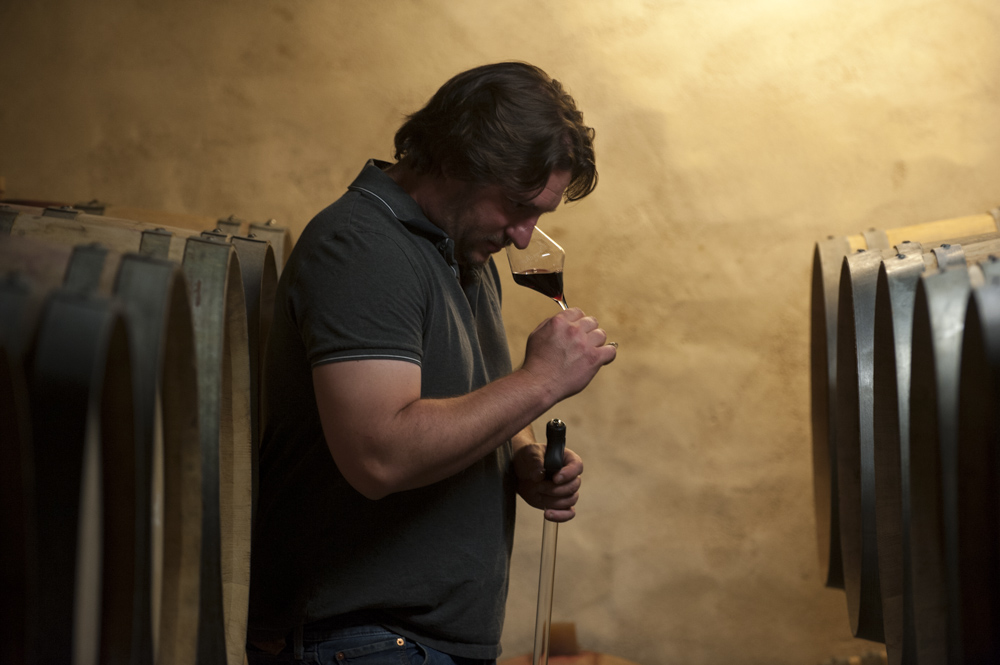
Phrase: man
(396,432)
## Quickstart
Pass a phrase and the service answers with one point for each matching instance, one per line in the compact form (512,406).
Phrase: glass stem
(546,586)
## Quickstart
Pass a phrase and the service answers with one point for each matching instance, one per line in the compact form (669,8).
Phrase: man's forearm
(385,438)
(382,448)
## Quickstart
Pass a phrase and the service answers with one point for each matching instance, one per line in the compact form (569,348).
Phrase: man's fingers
(563,503)
(572,467)
(611,352)
(589,324)
(562,489)
(559,515)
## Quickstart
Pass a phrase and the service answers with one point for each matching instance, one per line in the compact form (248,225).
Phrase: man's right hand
(566,351)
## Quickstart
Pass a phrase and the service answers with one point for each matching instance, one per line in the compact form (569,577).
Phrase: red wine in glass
(539,266)
(546,282)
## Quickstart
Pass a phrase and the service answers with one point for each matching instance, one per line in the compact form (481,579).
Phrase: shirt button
(340,655)
(400,641)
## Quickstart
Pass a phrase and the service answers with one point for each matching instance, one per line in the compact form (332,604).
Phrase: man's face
(484,219)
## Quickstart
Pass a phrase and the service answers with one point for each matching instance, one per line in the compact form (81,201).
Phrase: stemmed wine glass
(539,266)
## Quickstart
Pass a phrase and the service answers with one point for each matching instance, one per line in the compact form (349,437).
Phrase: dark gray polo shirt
(371,277)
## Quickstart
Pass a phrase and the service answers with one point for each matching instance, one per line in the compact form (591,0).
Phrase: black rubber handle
(555,436)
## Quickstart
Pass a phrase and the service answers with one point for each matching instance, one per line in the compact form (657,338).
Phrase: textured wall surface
(731,136)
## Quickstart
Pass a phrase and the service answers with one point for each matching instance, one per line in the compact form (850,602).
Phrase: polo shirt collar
(373,181)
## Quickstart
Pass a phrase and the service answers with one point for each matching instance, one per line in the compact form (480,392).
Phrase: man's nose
(520,233)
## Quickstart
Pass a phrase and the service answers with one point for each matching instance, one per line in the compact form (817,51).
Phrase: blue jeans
(359,645)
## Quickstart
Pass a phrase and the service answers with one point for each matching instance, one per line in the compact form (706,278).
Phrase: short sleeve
(357,296)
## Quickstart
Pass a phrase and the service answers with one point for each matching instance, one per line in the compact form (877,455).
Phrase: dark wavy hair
(507,123)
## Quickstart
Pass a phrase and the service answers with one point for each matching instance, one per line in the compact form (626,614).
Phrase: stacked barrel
(130,383)
(906,435)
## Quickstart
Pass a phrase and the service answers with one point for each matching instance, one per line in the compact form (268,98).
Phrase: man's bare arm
(385,438)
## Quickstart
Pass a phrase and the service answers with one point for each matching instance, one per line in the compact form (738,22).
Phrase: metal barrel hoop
(855,445)
(18,520)
(938,319)
(895,291)
(827,260)
(18,576)
(81,392)
(260,283)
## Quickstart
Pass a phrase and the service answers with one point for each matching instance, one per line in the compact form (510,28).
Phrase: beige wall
(731,136)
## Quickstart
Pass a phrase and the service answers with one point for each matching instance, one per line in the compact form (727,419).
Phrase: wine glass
(539,266)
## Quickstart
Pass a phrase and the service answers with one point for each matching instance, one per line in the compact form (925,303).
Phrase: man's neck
(432,192)
(420,187)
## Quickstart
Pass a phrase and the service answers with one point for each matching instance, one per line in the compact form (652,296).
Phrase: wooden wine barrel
(7,215)
(257,262)
(167,456)
(80,390)
(280,237)
(869,503)
(979,472)
(827,259)
(213,271)
(228,423)
(260,281)
(71,227)
(222,354)
(221,349)
(891,391)
(856,443)
(8,211)
(125,602)
(155,296)
(190,221)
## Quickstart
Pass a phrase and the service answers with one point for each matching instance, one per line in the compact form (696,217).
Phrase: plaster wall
(730,137)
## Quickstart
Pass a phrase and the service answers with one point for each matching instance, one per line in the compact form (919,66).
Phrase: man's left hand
(556,496)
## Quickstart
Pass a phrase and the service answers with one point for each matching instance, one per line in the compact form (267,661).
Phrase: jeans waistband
(313,633)
(345,622)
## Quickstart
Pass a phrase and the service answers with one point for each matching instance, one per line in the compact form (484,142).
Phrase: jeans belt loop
(297,648)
